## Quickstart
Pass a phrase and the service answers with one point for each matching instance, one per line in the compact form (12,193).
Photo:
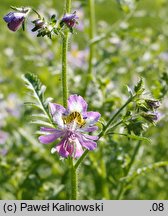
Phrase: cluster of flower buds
(16,19)
(151,114)
(149,109)
(143,111)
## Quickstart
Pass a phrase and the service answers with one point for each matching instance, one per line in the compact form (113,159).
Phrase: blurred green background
(131,43)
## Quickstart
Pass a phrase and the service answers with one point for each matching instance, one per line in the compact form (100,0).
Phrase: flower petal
(57,111)
(91,137)
(74,147)
(8,17)
(46,139)
(78,149)
(69,146)
(88,128)
(77,104)
(15,24)
(92,117)
(45,129)
(61,148)
(88,144)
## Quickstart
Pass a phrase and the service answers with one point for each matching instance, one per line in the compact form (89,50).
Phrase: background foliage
(131,42)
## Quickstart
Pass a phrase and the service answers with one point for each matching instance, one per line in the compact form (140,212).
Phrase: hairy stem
(65,39)
(74,182)
(68,6)
(64,68)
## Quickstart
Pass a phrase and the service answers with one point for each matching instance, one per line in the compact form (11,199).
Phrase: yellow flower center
(74,116)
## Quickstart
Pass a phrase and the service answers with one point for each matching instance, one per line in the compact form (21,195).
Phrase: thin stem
(104,185)
(116,125)
(68,6)
(64,68)
(115,115)
(65,40)
(133,157)
(81,159)
(121,191)
(74,182)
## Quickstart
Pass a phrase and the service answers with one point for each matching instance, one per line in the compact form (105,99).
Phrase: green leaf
(139,86)
(39,116)
(38,89)
(53,19)
(129,90)
(40,122)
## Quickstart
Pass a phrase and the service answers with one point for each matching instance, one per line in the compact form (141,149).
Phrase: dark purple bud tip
(38,24)
(69,19)
(151,116)
(153,104)
(14,20)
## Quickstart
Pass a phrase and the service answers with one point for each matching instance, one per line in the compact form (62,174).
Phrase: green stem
(122,187)
(64,68)
(65,40)
(74,182)
(115,115)
(104,185)
(133,156)
(68,6)
(81,159)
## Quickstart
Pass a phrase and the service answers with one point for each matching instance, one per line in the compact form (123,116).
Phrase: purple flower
(15,19)
(72,123)
(69,19)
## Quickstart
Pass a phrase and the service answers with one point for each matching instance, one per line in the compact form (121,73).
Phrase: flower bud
(15,19)
(39,23)
(151,116)
(69,19)
(153,104)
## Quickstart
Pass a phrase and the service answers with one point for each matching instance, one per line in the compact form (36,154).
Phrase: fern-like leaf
(37,89)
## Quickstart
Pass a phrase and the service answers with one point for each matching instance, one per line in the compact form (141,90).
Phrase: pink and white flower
(72,123)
